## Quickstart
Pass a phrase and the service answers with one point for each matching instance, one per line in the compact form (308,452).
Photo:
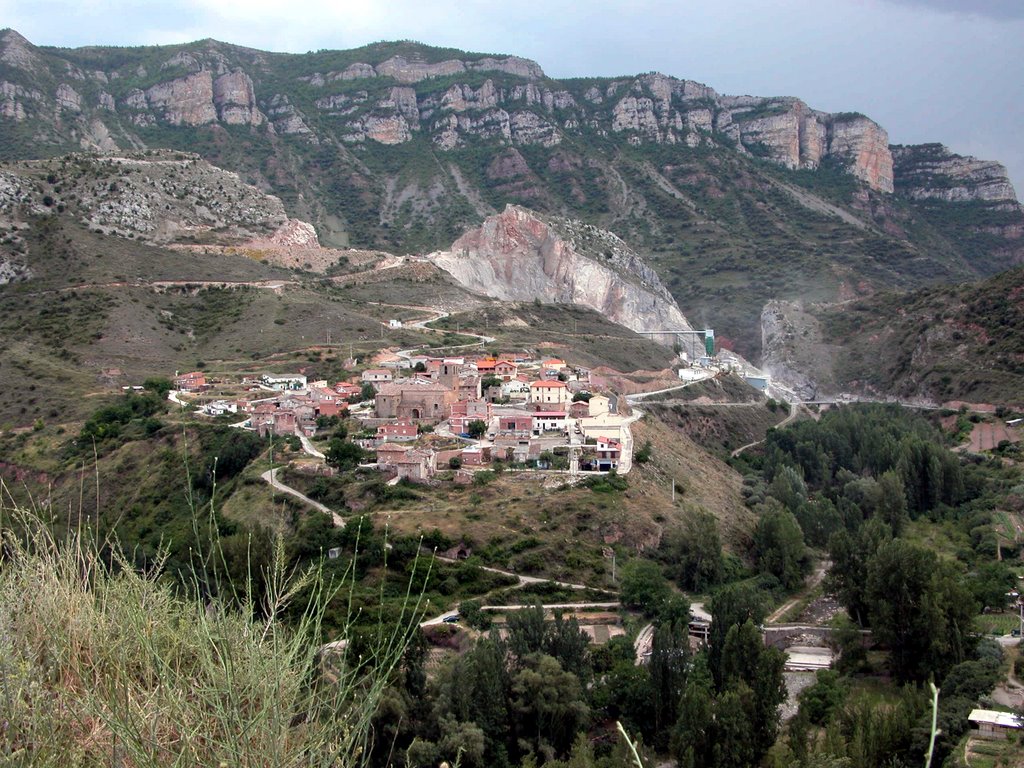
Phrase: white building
(284,381)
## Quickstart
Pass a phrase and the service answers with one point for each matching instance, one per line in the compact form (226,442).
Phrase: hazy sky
(927,70)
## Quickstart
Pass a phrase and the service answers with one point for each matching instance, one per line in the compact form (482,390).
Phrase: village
(423,415)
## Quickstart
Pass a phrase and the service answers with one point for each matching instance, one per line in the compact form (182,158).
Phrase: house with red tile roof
(551,395)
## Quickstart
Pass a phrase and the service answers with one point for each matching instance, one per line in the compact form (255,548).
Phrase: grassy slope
(580,335)
(88,322)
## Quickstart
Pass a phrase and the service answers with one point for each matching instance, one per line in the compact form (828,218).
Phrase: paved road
(644,395)
(308,447)
(270,476)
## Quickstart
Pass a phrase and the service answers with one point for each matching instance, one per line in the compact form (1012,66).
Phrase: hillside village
(421,415)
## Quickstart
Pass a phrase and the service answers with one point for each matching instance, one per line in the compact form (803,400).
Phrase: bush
(644,454)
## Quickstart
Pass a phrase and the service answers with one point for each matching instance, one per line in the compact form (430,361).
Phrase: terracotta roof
(549,384)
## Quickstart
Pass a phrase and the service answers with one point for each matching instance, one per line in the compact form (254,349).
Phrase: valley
(540,419)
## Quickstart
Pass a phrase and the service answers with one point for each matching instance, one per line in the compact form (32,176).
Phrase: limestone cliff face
(794,135)
(235,99)
(519,256)
(865,145)
(931,171)
(389,98)
(184,101)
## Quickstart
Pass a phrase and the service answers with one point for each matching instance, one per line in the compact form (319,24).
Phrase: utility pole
(673,490)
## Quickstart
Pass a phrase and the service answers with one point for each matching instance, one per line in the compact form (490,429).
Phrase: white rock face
(518,256)
(185,101)
(68,98)
(235,99)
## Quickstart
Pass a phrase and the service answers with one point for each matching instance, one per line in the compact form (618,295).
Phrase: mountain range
(730,201)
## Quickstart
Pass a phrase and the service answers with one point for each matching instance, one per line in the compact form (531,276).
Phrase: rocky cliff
(505,98)
(518,255)
(931,171)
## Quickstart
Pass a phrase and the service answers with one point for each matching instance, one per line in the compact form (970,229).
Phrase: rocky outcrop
(18,52)
(235,99)
(865,146)
(405,71)
(374,101)
(287,120)
(155,196)
(414,70)
(18,102)
(68,98)
(792,351)
(185,101)
(519,256)
(931,171)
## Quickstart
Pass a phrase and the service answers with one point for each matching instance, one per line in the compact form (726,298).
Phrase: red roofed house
(191,382)
(608,453)
(551,395)
(554,364)
(346,390)
(506,370)
(327,401)
(399,431)
(485,366)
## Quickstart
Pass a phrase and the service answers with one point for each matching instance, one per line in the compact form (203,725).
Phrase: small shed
(989,724)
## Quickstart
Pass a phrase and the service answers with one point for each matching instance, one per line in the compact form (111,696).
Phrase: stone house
(388,455)
(579,410)
(416,466)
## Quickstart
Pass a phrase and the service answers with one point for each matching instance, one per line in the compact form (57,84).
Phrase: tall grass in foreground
(103,665)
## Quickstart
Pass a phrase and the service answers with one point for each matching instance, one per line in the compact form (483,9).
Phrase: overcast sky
(927,70)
